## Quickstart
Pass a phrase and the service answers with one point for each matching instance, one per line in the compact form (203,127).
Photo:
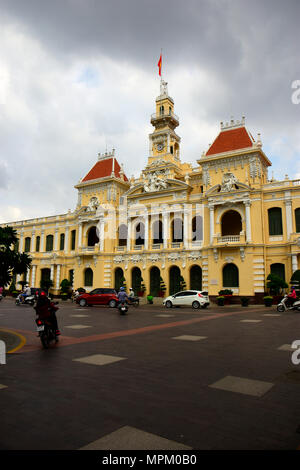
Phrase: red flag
(159,65)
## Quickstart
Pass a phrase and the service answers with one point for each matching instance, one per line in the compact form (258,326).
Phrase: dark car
(99,297)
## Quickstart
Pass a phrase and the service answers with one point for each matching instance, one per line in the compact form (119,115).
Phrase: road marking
(21,338)
(256,388)
(190,338)
(99,359)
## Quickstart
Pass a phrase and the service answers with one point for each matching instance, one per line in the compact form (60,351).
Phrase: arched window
(297,220)
(196,277)
(157,231)
(88,277)
(177,230)
(161,110)
(92,236)
(140,234)
(49,243)
(231,223)
(275,221)
(278,269)
(123,234)
(197,228)
(230,275)
(27,244)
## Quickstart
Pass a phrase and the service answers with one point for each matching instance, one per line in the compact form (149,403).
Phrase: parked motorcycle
(135,301)
(45,328)
(123,308)
(284,305)
(29,300)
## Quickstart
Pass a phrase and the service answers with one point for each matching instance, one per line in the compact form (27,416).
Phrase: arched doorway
(196,278)
(92,237)
(174,280)
(230,275)
(119,277)
(231,223)
(136,280)
(154,281)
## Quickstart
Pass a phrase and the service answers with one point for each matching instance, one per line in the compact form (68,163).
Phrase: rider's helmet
(122,288)
(130,288)
(43,294)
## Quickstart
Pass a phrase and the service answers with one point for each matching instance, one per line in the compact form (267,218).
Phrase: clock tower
(164,143)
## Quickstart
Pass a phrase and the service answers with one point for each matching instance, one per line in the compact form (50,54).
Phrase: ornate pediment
(229,184)
(156,185)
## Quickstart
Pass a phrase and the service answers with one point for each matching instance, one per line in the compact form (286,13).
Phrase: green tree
(11,262)
(275,284)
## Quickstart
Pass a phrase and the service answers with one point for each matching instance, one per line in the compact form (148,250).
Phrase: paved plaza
(178,379)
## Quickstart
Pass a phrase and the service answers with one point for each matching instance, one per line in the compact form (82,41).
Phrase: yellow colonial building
(212,224)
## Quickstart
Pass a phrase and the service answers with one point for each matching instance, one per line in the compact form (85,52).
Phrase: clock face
(160,147)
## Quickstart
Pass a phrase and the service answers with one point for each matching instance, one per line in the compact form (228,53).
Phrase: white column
(186,229)
(57,276)
(79,235)
(248,221)
(166,221)
(211,224)
(67,240)
(42,244)
(146,231)
(52,272)
(129,229)
(21,242)
(27,275)
(102,234)
(294,263)
(288,214)
(32,248)
(56,239)
(33,273)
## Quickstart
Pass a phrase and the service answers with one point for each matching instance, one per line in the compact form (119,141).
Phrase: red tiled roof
(102,169)
(230,140)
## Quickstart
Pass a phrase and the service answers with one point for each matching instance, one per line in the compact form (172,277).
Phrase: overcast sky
(78,77)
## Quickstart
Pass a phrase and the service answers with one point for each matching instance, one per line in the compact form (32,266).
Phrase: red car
(98,297)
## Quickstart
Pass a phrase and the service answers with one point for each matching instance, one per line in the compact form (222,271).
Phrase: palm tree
(11,262)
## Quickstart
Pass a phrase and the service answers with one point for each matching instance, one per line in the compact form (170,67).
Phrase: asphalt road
(220,378)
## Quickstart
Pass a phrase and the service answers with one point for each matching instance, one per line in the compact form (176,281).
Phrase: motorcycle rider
(25,293)
(122,296)
(292,297)
(44,311)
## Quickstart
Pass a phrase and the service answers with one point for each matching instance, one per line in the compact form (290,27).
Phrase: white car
(188,298)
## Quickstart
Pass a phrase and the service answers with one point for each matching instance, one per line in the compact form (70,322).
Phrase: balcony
(229,239)
(172,117)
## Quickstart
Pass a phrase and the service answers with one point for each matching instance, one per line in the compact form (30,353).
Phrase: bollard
(2,352)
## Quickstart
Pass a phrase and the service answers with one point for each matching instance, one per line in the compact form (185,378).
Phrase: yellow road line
(21,337)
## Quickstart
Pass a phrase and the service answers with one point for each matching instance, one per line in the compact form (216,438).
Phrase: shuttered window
(275,221)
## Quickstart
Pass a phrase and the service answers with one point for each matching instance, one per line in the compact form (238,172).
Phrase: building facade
(218,224)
